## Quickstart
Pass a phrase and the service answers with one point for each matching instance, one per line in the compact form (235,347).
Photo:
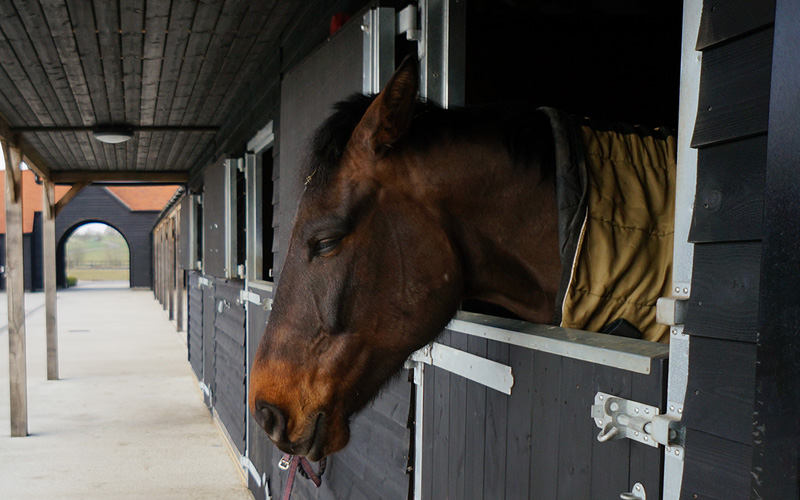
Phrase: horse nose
(271,419)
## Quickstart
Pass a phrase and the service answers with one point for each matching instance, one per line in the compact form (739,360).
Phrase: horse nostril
(271,418)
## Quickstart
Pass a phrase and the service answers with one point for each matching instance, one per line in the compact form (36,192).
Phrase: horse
(408,210)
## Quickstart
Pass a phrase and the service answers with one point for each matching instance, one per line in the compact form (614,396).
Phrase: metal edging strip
(608,350)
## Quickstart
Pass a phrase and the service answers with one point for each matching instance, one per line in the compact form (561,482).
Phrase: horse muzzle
(274,422)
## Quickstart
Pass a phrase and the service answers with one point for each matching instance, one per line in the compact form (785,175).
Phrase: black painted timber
(719,393)
(209,333)
(734,90)
(194,333)
(229,360)
(729,205)
(539,442)
(725,288)
(722,20)
(726,300)
(776,427)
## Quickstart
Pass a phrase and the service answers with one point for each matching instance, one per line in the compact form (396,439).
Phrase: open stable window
(265,161)
(197,250)
(240,202)
(260,206)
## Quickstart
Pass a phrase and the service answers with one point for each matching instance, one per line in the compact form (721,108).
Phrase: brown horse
(408,210)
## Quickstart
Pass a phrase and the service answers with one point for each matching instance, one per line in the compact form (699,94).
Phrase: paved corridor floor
(126,420)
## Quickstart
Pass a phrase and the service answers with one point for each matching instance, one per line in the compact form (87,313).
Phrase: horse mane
(523,130)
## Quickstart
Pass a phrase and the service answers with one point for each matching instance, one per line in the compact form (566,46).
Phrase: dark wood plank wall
(776,428)
(539,442)
(230,396)
(262,452)
(209,332)
(722,319)
(194,330)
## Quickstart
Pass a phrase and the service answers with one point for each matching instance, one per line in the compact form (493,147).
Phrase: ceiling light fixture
(113,134)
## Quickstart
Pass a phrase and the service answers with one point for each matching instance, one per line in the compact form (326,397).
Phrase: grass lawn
(99,274)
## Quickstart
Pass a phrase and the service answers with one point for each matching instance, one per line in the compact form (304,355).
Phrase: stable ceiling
(172,70)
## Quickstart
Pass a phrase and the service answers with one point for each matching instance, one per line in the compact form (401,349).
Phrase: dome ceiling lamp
(113,134)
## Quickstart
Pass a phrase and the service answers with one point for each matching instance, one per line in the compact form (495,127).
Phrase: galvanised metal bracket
(637,493)
(621,418)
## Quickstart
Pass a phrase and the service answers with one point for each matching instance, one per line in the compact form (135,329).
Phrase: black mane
(524,131)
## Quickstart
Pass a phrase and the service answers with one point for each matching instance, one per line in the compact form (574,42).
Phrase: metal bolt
(677,289)
(672,408)
(614,406)
(680,410)
(685,290)
(669,449)
(636,410)
(677,453)
(638,487)
(601,397)
(647,411)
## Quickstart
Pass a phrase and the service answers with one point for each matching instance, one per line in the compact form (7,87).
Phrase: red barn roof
(136,198)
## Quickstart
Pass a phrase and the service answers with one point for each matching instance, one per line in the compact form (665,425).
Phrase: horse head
(370,276)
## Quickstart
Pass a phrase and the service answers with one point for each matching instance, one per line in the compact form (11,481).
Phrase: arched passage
(99,204)
(93,250)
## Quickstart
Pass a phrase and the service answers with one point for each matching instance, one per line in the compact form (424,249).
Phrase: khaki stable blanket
(616,192)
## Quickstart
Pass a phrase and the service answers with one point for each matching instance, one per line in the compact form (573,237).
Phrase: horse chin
(334,435)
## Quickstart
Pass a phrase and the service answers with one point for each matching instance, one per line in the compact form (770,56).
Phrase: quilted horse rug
(616,197)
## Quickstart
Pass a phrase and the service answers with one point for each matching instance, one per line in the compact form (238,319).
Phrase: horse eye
(326,246)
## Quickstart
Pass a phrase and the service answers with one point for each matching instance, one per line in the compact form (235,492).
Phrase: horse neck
(504,223)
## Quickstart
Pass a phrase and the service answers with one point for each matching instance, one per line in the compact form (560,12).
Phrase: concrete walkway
(126,420)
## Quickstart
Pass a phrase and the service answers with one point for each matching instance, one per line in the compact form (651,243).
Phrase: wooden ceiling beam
(75,176)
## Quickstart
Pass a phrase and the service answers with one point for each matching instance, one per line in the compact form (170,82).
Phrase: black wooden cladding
(230,391)
(261,451)
(725,288)
(719,393)
(776,458)
(722,20)
(729,204)
(538,443)
(715,468)
(194,334)
(728,223)
(137,62)
(734,90)
(209,333)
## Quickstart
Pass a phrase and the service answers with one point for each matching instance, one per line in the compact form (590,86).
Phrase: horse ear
(389,115)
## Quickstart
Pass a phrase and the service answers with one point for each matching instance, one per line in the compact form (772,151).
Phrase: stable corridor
(126,420)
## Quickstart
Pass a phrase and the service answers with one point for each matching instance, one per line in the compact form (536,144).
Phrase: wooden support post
(15,288)
(170,255)
(49,266)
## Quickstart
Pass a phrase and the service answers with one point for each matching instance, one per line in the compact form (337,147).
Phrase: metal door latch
(620,418)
